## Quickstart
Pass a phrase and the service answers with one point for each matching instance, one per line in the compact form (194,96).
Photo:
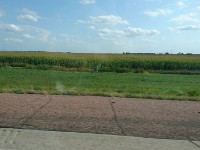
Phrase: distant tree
(180,53)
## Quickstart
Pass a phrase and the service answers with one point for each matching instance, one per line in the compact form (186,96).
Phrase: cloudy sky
(100,26)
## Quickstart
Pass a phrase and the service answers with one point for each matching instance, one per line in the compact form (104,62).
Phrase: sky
(100,26)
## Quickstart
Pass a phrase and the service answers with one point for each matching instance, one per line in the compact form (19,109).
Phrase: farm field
(182,64)
(140,85)
(174,77)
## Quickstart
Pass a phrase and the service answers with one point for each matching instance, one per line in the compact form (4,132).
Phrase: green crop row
(102,64)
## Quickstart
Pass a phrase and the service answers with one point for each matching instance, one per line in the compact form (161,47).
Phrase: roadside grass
(138,85)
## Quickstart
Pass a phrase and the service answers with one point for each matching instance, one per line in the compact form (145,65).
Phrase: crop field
(185,64)
(174,77)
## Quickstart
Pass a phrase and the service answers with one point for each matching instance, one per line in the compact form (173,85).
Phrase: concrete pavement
(15,139)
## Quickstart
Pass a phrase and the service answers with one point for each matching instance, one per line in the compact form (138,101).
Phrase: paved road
(117,116)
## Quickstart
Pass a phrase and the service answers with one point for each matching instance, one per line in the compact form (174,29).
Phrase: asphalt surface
(161,119)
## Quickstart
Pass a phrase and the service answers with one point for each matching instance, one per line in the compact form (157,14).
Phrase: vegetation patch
(138,85)
(141,76)
(174,64)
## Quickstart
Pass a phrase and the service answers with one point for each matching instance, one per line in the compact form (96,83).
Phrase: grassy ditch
(139,85)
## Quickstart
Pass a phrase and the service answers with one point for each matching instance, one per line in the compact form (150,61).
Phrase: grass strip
(138,85)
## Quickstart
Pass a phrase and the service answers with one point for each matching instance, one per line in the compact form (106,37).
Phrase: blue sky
(100,26)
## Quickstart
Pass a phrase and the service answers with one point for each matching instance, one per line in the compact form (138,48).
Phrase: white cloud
(28,36)
(2,13)
(91,27)
(191,17)
(81,21)
(28,18)
(13,40)
(109,20)
(109,34)
(28,11)
(10,27)
(158,12)
(198,7)
(130,32)
(181,4)
(40,34)
(28,15)
(141,32)
(87,2)
(185,28)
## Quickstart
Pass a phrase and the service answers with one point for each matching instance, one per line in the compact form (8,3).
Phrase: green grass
(140,85)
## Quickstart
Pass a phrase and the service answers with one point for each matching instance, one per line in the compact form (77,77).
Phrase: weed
(193,93)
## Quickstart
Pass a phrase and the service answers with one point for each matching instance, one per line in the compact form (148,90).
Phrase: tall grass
(102,62)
